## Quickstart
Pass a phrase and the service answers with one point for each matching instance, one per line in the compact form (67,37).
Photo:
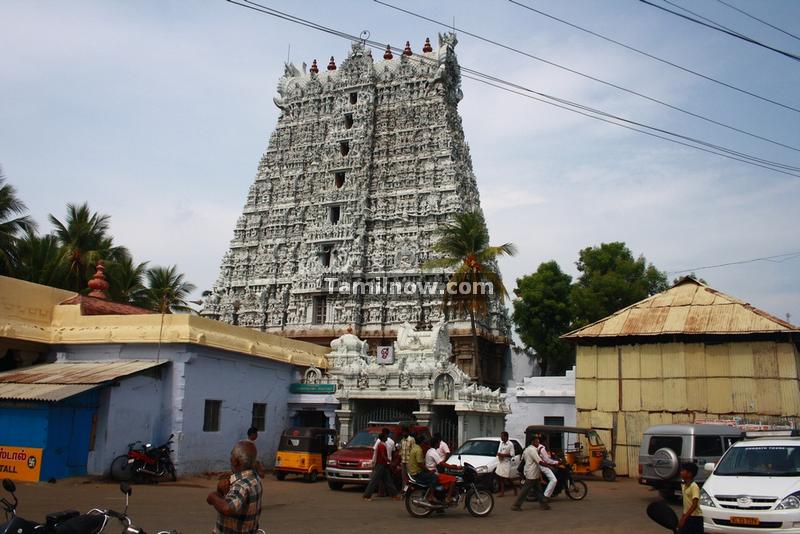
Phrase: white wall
(479,425)
(532,411)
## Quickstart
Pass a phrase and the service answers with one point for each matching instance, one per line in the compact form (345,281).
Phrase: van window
(671,442)
(517,447)
(707,446)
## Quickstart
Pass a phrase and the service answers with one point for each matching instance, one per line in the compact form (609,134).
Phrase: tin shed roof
(60,380)
(688,307)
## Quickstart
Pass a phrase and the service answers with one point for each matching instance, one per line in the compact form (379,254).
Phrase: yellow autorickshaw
(582,448)
(304,451)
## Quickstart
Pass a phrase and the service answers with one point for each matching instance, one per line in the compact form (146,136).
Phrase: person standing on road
(406,444)
(533,477)
(691,522)
(547,464)
(252,436)
(381,472)
(238,499)
(505,451)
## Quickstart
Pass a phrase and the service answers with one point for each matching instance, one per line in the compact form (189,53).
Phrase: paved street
(296,507)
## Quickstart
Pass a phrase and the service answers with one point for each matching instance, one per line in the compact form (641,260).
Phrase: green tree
(13,225)
(39,260)
(84,240)
(542,313)
(611,279)
(463,245)
(167,290)
(126,282)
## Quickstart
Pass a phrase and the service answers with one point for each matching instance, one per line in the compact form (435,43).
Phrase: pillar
(423,415)
(345,415)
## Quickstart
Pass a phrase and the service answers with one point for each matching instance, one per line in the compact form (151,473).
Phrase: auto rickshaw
(582,448)
(304,451)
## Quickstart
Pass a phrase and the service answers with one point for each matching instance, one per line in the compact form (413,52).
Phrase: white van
(755,487)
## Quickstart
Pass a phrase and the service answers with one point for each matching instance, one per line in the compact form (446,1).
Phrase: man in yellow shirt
(691,522)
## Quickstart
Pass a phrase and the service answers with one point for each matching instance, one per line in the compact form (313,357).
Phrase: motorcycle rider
(434,461)
(547,463)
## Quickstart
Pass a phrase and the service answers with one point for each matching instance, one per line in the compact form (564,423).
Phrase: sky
(157,113)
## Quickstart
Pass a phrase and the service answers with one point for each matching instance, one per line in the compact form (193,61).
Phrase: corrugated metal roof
(42,392)
(57,381)
(689,307)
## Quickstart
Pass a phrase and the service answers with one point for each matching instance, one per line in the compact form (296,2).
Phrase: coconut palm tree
(126,282)
(167,290)
(13,225)
(463,245)
(38,260)
(84,240)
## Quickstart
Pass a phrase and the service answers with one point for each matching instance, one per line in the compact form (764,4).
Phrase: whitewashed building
(541,400)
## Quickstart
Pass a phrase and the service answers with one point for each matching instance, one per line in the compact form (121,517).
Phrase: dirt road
(293,506)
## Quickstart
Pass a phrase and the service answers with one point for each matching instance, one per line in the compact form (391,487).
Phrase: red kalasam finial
(427,47)
(98,283)
(332,64)
(407,51)
(388,54)
(349,329)
(314,69)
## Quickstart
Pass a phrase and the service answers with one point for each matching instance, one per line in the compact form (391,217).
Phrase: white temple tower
(366,162)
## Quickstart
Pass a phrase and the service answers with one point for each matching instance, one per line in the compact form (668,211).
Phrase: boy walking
(691,522)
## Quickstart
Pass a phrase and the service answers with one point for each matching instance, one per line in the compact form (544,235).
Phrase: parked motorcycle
(67,522)
(477,500)
(144,462)
(575,489)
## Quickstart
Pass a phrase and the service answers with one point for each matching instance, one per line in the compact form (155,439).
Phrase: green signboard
(319,389)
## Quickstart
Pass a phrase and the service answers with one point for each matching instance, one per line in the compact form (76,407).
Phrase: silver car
(665,447)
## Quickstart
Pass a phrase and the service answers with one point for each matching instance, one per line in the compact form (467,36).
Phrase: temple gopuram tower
(367,161)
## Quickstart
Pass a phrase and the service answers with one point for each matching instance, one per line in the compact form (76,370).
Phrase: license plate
(749,521)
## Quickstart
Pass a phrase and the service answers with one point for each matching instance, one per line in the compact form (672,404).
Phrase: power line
(724,152)
(745,13)
(778,258)
(588,76)
(662,60)
(645,132)
(720,28)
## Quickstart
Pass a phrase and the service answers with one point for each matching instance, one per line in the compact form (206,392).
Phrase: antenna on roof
(289,53)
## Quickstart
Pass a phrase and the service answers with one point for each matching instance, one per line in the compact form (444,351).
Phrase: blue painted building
(82,378)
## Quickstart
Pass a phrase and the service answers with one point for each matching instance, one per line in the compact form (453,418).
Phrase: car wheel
(494,483)
(335,486)
(280,475)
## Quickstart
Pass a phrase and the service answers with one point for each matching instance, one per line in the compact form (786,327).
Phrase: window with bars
(259,420)
(211,415)
(320,310)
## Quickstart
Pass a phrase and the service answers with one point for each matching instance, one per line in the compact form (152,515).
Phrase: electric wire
(727,153)
(656,58)
(772,259)
(720,28)
(762,21)
(589,77)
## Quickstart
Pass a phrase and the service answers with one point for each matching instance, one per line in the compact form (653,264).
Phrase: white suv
(755,487)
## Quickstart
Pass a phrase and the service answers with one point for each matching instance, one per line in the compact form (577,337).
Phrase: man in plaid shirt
(238,500)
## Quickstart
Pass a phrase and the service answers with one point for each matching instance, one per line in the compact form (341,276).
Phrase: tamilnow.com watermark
(392,287)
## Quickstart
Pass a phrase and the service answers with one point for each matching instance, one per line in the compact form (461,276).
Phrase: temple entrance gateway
(419,384)
(377,411)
